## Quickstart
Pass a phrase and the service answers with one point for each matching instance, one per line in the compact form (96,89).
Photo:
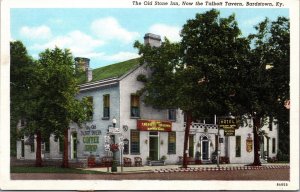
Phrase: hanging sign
(229,126)
(249,143)
(154,125)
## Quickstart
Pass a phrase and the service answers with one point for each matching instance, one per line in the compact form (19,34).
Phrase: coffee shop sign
(91,130)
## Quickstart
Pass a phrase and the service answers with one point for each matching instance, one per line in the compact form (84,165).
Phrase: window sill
(105,118)
(172,120)
(135,117)
(135,153)
(171,153)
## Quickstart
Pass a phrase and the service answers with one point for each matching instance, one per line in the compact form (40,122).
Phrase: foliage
(43,93)
(163,158)
(54,105)
(21,80)
(283,156)
(214,70)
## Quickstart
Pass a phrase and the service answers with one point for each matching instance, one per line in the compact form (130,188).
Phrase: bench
(106,161)
(127,162)
(190,160)
(137,161)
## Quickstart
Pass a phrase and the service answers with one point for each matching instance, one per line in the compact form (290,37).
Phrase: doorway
(22,148)
(205,148)
(153,146)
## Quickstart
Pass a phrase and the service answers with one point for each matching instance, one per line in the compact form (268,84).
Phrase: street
(281,174)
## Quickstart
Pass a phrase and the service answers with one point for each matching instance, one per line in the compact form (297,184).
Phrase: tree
(21,75)
(199,72)
(214,70)
(267,87)
(58,89)
(44,94)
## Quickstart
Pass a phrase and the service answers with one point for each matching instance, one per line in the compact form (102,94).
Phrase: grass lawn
(20,169)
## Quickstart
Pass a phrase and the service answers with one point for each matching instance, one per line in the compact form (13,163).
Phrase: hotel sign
(154,125)
(229,126)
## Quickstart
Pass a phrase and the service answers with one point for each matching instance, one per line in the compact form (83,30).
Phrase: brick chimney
(82,63)
(89,74)
(152,39)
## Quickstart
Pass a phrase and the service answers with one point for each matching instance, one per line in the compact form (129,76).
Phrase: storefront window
(172,143)
(135,106)
(172,114)
(273,145)
(238,146)
(106,103)
(135,142)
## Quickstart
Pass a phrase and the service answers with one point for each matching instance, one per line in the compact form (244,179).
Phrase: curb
(170,170)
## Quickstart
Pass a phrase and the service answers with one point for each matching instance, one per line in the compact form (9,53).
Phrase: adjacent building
(144,131)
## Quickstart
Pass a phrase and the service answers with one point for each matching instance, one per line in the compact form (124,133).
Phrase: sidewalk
(176,168)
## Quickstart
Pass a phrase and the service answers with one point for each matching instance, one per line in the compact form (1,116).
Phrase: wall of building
(130,85)
(98,126)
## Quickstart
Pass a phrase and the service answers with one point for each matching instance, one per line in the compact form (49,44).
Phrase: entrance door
(205,149)
(22,148)
(153,148)
(74,146)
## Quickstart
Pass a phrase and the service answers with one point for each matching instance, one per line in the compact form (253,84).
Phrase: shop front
(155,128)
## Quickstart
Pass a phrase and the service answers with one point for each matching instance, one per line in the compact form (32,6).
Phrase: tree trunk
(186,139)
(65,163)
(256,126)
(38,154)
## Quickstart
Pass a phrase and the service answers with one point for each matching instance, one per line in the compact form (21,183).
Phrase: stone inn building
(143,131)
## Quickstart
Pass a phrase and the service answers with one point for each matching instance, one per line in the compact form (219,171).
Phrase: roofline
(130,71)
(106,82)
(98,84)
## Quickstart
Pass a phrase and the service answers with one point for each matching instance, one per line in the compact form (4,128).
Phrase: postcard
(149,95)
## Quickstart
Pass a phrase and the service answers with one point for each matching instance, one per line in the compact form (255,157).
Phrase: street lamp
(114,122)
(114,163)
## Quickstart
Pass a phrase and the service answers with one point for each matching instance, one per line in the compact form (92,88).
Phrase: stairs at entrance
(206,162)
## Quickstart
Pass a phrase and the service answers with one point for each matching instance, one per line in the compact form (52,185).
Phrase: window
(61,144)
(172,114)
(273,145)
(135,106)
(106,103)
(31,141)
(135,141)
(32,147)
(47,145)
(126,146)
(90,110)
(271,123)
(238,146)
(172,143)
(22,122)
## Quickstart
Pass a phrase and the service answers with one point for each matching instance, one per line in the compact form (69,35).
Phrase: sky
(106,36)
